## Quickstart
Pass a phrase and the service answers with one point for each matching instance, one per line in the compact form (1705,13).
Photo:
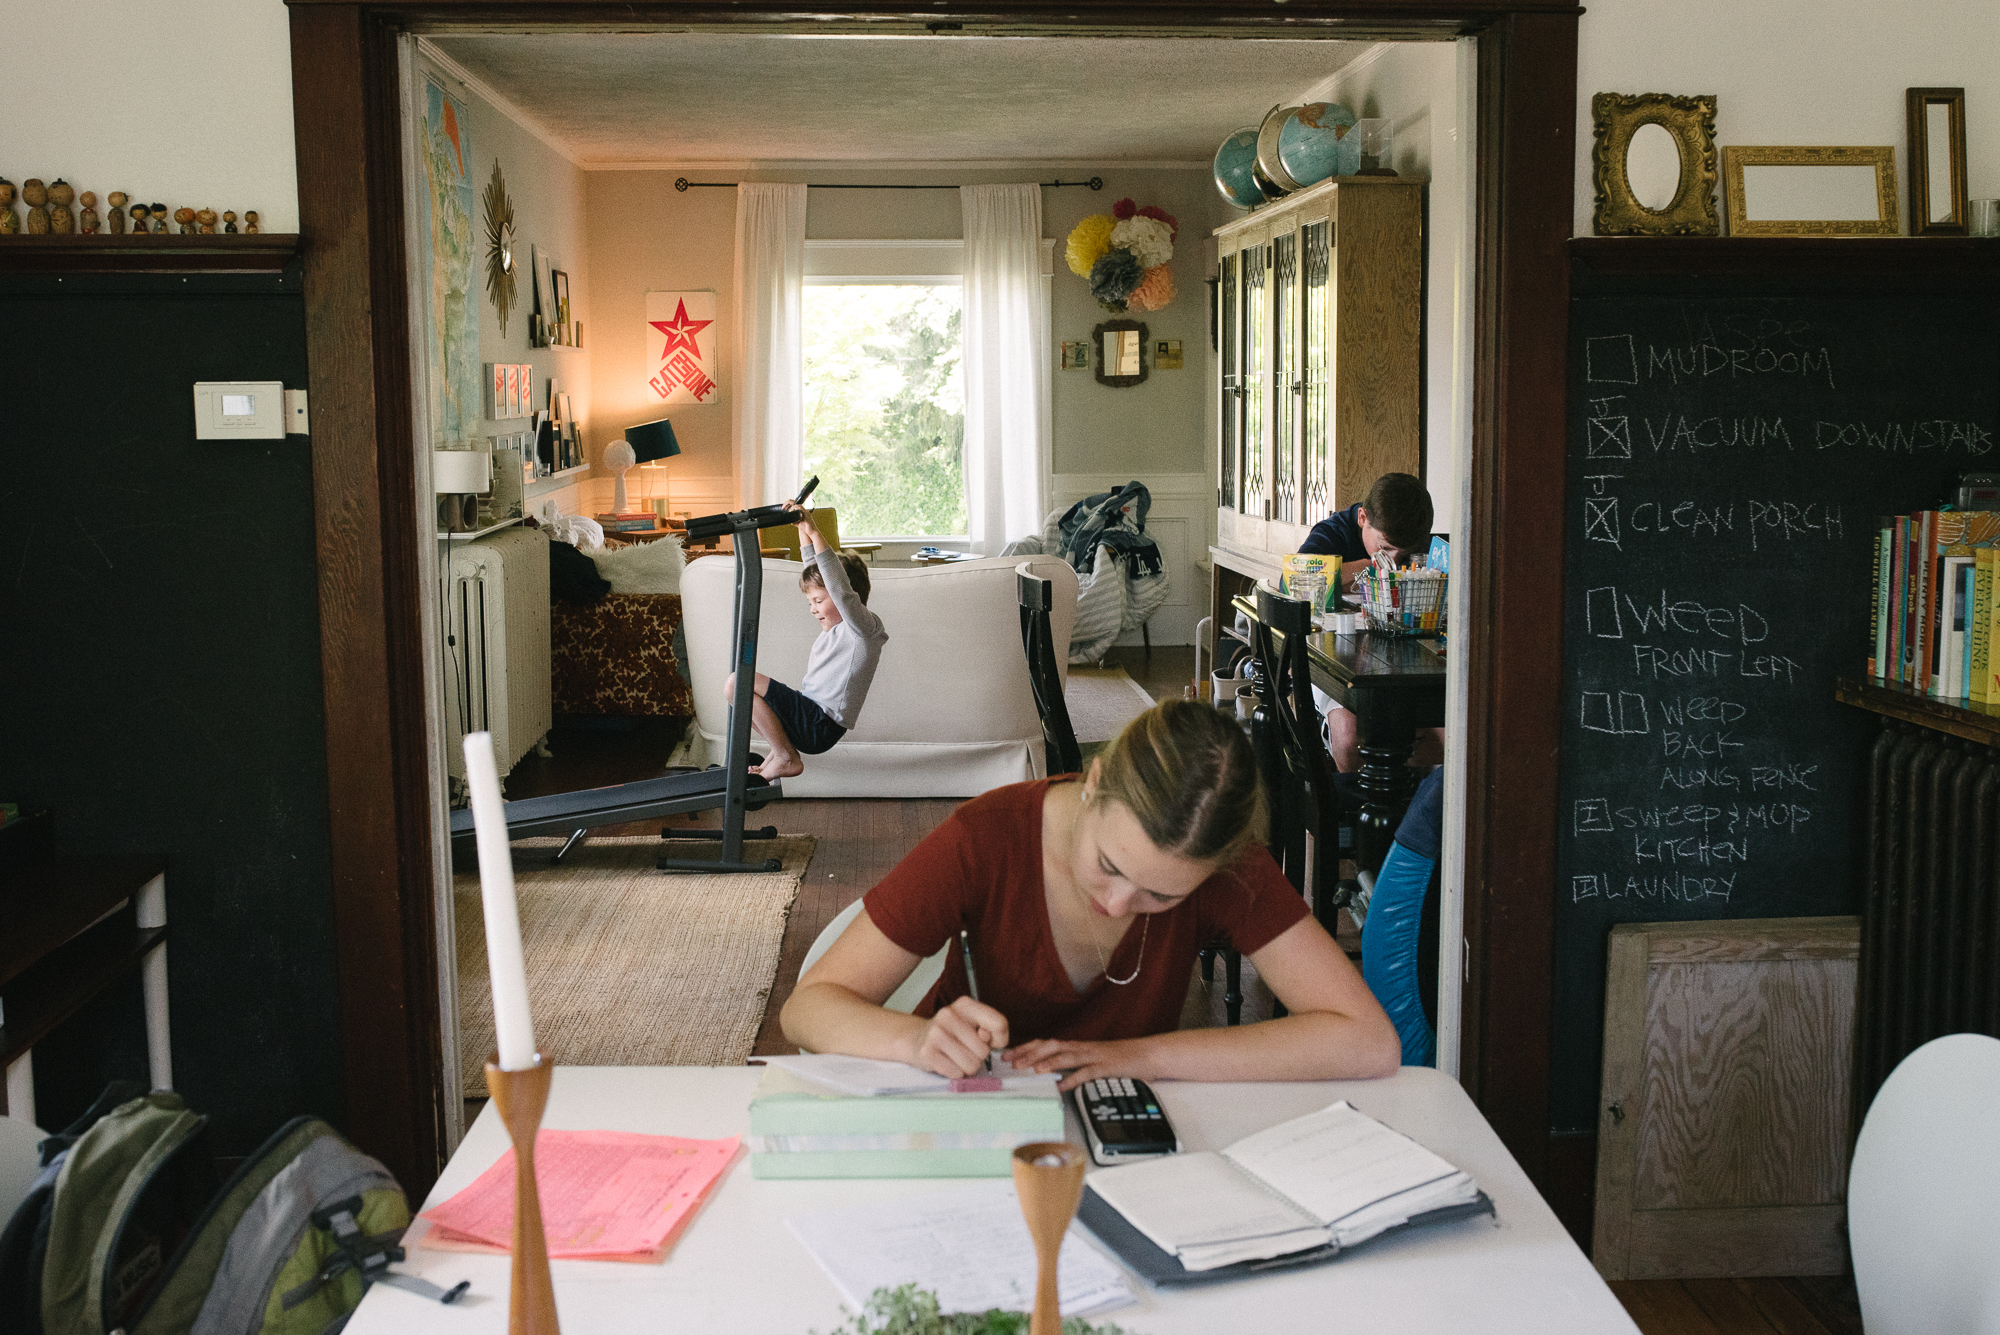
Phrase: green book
(799,1128)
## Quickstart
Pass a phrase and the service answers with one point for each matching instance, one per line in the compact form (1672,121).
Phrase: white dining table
(737,1268)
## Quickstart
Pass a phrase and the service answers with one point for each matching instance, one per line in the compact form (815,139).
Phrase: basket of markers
(1406,601)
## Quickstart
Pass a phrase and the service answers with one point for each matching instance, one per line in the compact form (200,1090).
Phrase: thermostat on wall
(239,410)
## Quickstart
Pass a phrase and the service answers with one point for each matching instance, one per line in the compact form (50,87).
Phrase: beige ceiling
(621,98)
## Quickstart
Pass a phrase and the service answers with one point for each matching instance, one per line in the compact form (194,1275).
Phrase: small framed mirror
(1653,164)
(1121,352)
(1937,162)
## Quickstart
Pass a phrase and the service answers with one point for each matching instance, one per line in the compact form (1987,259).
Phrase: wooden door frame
(347,126)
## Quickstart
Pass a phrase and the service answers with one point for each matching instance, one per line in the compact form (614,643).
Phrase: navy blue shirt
(1339,534)
(1422,829)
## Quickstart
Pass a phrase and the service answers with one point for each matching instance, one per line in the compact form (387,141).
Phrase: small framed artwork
(1938,205)
(559,280)
(1810,190)
(1075,356)
(496,400)
(1167,354)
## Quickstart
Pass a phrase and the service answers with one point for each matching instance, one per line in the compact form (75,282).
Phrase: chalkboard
(1727,457)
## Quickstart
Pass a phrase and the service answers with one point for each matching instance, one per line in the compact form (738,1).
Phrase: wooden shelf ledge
(223,252)
(1973,721)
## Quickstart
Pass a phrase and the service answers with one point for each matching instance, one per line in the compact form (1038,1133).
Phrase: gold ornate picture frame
(1615,118)
(1738,204)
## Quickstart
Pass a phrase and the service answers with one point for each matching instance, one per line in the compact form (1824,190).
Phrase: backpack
(135,1236)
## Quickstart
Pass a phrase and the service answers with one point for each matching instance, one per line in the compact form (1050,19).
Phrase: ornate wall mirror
(1121,352)
(1653,165)
(1937,162)
(499,246)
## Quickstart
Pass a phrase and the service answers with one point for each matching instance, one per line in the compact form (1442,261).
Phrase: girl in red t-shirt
(1085,901)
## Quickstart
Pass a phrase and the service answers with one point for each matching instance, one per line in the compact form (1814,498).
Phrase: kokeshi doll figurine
(185,217)
(206,217)
(9,222)
(62,217)
(229,220)
(36,196)
(139,214)
(114,221)
(159,218)
(87,220)
(250,222)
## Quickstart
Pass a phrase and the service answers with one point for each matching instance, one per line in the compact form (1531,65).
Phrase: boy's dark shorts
(810,730)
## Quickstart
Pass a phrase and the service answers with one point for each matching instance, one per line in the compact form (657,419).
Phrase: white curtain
(770,357)
(1006,343)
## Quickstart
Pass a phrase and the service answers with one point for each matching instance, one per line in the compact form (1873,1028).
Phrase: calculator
(1123,1120)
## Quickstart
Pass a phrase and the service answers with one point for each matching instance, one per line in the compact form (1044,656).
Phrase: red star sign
(680,331)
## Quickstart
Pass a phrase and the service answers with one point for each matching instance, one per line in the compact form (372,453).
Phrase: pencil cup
(520,1097)
(1048,1178)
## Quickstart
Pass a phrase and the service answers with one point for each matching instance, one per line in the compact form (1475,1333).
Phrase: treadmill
(732,787)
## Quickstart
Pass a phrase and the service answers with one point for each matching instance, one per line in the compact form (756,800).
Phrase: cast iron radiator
(1930,916)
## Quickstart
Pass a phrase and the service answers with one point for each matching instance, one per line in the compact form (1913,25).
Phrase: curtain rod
(681,183)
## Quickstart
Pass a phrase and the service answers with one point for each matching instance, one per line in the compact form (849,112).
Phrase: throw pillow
(642,567)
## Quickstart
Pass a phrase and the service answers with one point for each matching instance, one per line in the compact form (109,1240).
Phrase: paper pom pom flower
(1088,241)
(1150,241)
(1119,251)
(1115,277)
(1154,292)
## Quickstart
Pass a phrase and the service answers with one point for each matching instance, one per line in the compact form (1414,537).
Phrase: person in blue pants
(1399,938)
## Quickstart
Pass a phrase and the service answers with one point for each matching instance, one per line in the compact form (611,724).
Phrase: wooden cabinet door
(1723,1132)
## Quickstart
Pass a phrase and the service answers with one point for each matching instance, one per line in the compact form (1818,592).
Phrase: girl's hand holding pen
(959,1038)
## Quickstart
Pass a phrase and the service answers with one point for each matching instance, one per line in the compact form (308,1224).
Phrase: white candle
(504,961)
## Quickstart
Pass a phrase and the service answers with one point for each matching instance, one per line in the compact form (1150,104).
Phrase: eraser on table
(976,1084)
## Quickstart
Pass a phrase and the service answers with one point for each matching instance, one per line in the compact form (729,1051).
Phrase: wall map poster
(1727,459)
(680,339)
(456,398)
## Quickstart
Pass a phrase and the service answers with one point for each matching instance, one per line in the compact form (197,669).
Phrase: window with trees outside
(885,405)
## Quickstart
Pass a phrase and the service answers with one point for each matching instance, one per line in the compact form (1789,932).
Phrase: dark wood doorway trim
(350,201)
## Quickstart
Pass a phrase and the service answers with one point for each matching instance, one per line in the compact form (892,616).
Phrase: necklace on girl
(1104,961)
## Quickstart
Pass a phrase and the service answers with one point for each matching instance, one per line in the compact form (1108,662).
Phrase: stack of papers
(1331,1179)
(605,1195)
(969,1245)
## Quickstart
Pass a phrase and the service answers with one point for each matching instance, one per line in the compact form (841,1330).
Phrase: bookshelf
(1973,721)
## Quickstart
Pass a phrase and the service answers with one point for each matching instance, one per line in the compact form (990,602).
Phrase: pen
(971,978)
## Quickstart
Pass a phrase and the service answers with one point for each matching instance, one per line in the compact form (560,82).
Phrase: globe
(1319,140)
(1234,163)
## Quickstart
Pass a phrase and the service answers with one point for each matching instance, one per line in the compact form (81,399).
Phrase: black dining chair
(1037,598)
(1304,790)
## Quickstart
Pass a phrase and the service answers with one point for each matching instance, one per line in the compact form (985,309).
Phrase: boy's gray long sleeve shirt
(842,662)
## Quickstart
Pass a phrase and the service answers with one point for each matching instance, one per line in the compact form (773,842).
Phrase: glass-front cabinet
(1319,349)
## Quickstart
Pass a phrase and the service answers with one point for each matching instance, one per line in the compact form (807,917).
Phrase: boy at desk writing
(1085,900)
(839,669)
(1396,518)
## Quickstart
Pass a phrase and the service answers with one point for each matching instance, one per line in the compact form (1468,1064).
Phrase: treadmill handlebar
(739,521)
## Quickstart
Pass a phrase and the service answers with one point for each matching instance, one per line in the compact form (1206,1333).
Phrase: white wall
(183,102)
(1798,72)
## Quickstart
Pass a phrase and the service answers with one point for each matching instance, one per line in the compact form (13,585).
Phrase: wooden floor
(1811,1306)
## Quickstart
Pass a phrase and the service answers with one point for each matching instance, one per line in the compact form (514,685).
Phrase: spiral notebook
(1301,1192)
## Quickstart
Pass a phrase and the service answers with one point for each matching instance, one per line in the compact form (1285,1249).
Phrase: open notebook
(1302,1191)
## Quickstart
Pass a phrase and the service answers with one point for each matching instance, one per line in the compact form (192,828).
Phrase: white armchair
(950,713)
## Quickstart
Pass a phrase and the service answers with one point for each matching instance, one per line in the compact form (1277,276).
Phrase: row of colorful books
(1936,604)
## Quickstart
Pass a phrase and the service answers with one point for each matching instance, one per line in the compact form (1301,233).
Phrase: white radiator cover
(496,668)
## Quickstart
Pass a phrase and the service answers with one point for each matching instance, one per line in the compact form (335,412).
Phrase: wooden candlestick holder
(520,1097)
(1048,1178)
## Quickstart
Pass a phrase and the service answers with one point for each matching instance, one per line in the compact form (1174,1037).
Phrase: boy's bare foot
(781,766)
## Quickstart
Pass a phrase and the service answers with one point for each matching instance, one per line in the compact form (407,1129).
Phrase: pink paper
(606,1195)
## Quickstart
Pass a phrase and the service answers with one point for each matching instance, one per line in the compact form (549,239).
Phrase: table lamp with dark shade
(649,442)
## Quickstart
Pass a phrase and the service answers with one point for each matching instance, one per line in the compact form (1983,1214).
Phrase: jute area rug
(1102,701)
(629,965)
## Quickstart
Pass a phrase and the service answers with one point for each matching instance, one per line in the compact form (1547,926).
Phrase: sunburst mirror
(499,246)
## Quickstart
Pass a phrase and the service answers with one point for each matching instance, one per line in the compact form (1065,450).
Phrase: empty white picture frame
(1810,190)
